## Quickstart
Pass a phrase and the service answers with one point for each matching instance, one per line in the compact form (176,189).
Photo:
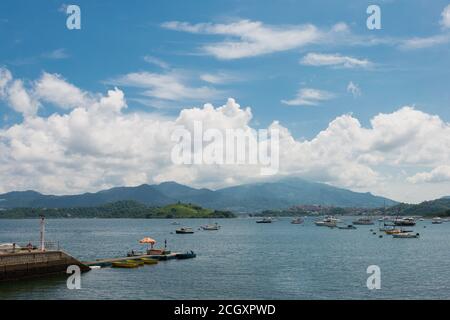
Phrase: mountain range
(252,197)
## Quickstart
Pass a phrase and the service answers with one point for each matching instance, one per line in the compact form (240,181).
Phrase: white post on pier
(42,246)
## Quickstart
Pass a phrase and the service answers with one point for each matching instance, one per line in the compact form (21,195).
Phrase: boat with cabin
(184,230)
(265,220)
(405,222)
(328,221)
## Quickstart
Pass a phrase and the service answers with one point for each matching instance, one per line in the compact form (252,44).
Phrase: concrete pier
(26,264)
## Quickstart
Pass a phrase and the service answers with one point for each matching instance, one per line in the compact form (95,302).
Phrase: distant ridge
(252,197)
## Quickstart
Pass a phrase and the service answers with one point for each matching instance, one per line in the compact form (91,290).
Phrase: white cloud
(431,41)
(246,38)
(354,89)
(438,174)
(334,60)
(20,99)
(57,54)
(309,97)
(56,90)
(445,17)
(218,78)
(5,78)
(156,61)
(166,86)
(426,42)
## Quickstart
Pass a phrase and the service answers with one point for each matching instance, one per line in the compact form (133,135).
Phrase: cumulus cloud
(20,99)
(445,17)
(246,38)
(438,174)
(334,60)
(354,89)
(56,90)
(309,97)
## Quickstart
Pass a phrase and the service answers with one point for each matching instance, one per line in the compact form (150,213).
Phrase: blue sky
(406,63)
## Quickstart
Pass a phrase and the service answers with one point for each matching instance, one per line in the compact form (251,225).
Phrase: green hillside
(119,209)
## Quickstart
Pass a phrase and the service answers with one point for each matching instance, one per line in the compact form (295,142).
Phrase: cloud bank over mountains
(92,144)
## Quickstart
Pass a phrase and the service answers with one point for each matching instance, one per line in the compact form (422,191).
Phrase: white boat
(265,220)
(405,235)
(328,221)
(405,222)
(211,227)
(297,221)
(184,230)
(436,220)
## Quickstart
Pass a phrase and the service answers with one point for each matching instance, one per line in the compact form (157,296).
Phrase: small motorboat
(347,227)
(264,220)
(405,235)
(211,227)
(184,230)
(187,255)
(363,221)
(297,221)
(436,220)
(393,231)
(124,264)
(139,262)
(149,261)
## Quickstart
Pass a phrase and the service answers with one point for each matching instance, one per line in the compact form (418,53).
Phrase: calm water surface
(243,260)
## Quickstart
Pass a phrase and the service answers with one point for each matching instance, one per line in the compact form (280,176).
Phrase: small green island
(119,209)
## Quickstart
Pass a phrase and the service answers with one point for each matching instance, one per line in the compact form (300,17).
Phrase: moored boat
(265,220)
(187,255)
(124,264)
(211,227)
(363,221)
(139,262)
(405,222)
(347,227)
(149,261)
(184,230)
(328,221)
(297,221)
(405,235)
(436,220)
(393,231)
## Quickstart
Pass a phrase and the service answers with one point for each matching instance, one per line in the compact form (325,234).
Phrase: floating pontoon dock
(108,262)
